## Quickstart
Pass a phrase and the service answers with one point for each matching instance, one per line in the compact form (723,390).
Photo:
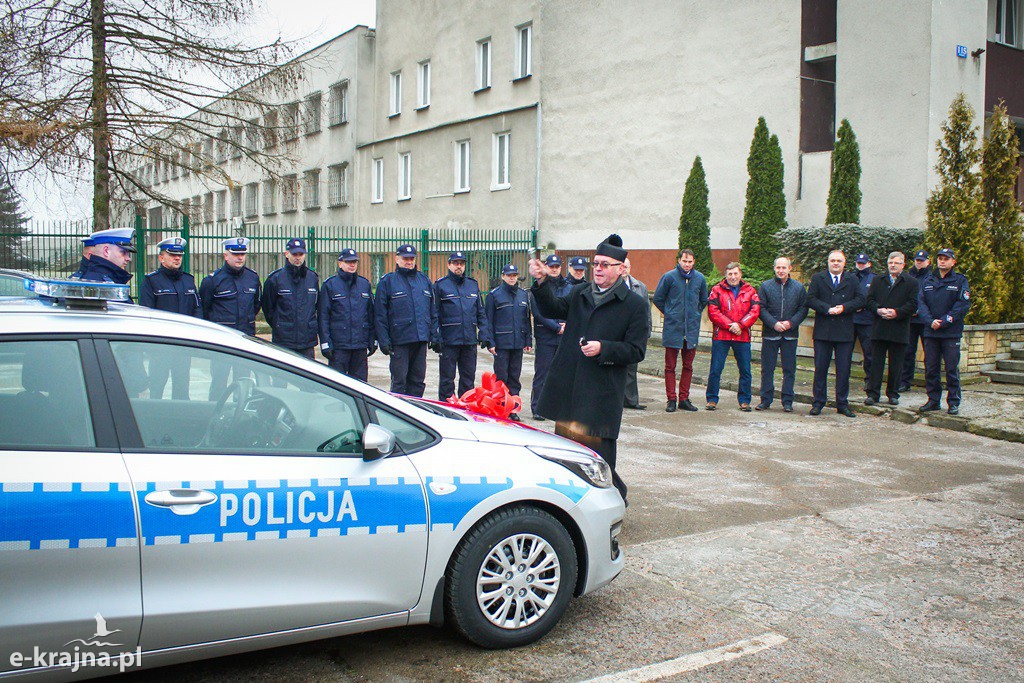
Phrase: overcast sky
(310,22)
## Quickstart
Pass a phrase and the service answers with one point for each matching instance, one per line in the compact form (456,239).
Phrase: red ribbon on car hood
(491,398)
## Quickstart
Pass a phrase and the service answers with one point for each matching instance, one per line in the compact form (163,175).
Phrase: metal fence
(54,249)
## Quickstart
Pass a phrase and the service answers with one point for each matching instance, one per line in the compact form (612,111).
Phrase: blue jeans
(719,352)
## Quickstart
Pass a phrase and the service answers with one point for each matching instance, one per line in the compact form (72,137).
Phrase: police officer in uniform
(289,301)
(169,288)
(864,319)
(577,270)
(112,251)
(230,296)
(87,249)
(406,320)
(942,304)
(345,315)
(919,271)
(547,332)
(462,324)
(508,310)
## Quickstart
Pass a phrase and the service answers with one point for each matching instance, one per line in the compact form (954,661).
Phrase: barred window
(289,193)
(195,214)
(251,190)
(291,121)
(311,189)
(236,142)
(208,208)
(339,103)
(236,202)
(314,105)
(269,197)
(272,132)
(337,185)
(222,204)
(222,146)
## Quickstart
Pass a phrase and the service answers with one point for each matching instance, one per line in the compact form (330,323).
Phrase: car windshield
(12,283)
(435,408)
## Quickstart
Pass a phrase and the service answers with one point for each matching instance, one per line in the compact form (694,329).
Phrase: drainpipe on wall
(536,191)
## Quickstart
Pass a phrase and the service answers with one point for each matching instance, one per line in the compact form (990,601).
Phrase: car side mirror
(378,443)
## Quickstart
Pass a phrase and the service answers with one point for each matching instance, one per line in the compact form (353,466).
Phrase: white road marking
(695,661)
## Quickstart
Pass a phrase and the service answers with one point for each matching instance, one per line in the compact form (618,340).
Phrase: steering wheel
(224,422)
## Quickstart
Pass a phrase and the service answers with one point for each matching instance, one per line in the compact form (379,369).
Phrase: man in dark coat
(169,288)
(681,296)
(547,333)
(632,398)
(833,295)
(508,316)
(406,321)
(864,320)
(112,251)
(345,315)
(289,301)
(605,332)
(922,267)
(783,308)
(942,303)
(462,324)
(892,299)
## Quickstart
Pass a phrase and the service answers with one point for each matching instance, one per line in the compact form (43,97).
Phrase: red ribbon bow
(491,398)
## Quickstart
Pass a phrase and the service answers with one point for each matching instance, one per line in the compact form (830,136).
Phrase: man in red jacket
(733,306)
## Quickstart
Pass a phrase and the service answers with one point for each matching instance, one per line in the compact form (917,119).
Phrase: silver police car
(172,490)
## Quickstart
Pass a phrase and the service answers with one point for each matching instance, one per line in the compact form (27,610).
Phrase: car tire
(497,598)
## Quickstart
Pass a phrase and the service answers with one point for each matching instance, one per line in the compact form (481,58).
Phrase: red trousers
(685,375)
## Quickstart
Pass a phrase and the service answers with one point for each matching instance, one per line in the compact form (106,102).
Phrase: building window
(337,185)
(524,51)
(377,182)
(208,208)
(462,166)
(236,142)
(208,153)
(423,91)
(195,214)
(291,121)
(1008,22)
(252,134)
(404,176)
(500,177)
(270,125)
(313,109)
(269,197)
(222,204)
(483,64)
(396,93)
(222,146)
(289,193)
(251,190)
(339,103)
(311,189)
(236,202)
(175,165)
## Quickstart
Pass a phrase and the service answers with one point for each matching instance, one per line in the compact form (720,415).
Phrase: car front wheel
(511,578)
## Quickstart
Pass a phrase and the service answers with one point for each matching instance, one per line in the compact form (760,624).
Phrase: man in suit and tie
(834,296)
(632,396)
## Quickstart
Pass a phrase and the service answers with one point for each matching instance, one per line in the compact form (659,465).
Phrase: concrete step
(1010,365)
(1017,354)
(1005,377)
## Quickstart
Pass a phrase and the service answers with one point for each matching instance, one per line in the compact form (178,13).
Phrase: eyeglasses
(606,264)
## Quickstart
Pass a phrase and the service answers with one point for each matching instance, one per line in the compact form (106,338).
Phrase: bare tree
(108,87)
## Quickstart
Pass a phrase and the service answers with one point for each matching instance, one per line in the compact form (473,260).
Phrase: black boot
(670,407)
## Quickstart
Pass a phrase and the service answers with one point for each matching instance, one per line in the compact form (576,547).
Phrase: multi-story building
(581,119)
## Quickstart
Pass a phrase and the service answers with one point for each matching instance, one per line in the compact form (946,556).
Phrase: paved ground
(862,549)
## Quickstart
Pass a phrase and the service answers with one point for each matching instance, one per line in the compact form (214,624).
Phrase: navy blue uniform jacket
(944,298)
(508,310)
(404,309)
(460,311)
(170,290)
(231,297)
(289,305)
(345,312)
(546,329)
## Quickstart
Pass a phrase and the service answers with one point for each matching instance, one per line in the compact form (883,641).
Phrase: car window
(193,399)
(43,403)
(408,435)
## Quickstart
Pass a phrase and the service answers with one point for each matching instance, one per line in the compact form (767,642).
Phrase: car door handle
(181,501)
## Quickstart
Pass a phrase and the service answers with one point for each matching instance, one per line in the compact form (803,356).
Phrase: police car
(297,504)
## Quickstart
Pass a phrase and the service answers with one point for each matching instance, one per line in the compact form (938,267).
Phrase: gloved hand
(371,350)
(485,344)
(435,347)
(386,350)
(328,353)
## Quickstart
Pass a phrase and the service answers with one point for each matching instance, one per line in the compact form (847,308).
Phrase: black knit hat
(612,248)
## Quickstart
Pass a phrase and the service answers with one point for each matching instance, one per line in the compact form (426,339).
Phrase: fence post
(425,251)
(185,233)
(140,254)
(311,248)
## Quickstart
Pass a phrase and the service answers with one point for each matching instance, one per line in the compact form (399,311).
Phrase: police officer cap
(457,256)
(172,245)
(578,263)
(296,245)
(921,255)
(88,241)
(237,245)
(946,252)
(510,269)
(863,258)
(406,250)
(348,255)
(553,260)
(121,237)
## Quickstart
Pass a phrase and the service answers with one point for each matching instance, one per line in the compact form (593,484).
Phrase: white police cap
(173,245)
(237,245)
(121,237)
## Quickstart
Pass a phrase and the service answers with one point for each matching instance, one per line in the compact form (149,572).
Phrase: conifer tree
(694,228)
(12,227)
(999,172)
(765,211)
(956,212)
(844,190)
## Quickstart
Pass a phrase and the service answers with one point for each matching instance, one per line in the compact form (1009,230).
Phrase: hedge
(808,248)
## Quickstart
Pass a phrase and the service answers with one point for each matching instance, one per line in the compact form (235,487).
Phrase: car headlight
(590,468)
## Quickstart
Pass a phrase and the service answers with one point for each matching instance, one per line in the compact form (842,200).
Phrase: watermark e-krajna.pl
(77,658)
